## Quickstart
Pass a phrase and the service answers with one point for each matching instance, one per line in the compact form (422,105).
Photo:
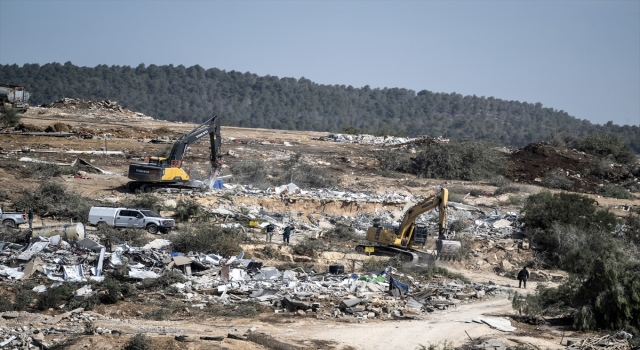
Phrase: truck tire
(146,188)
(152,229)
(101,225)
(9,223)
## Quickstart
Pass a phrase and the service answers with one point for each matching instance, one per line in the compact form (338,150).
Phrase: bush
(53,200)
(606,145)
(109,235)
(145,201)
(251,172)
(508,189)
(556,179)
(186,209)
(306,175)
(163,281)
(246,309)
(393,160)
(614,191)
(138,342)
(458,225)
(112,295)
(47,170)
(543,209)
(309,247)
(499,181)
(9,116)
(207,238)
(157,314)
(468,160)
(342,232)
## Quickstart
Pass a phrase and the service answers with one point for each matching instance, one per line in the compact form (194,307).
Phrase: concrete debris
(211,278)
(103,105)
(381,140)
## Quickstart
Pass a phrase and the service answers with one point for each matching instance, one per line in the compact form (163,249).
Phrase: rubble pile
(365,139)
(211,278)
(103,105)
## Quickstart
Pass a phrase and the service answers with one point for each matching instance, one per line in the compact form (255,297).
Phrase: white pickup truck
(130,217)
(13,220)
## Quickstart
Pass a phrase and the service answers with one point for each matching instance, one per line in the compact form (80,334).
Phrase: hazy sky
(582,57)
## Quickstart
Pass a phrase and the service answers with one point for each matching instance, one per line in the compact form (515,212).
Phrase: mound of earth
(537,162)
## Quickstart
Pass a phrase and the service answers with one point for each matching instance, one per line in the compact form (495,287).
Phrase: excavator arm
(210,127)
(405,230)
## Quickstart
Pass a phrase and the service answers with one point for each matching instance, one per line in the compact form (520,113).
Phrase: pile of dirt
(540,162)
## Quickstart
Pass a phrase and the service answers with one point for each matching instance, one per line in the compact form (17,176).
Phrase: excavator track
(406,255)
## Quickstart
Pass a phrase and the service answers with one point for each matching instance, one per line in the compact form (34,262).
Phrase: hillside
(248,100)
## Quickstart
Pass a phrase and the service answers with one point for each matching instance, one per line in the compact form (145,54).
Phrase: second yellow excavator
(408,239)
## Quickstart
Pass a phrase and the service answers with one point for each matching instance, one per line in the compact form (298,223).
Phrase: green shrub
(109,235)
(159,314)
(52,298)
(351,130)
(342,232)
(112,295)
(251,172)
(51,199)
(614,191)
(514,200)
(543,209)
(23,300)
(309,247)
(508,189)
(144,201)
(163,281)
(88,303)
(458,225)
(374,265)
(9,116)
(499,181)
(246,309)
(186,209)
(606,145)
(467,160)
(308,176)
(207,238)
(138,342)
(269,252)
(557,179)
(5,303)
(393,160)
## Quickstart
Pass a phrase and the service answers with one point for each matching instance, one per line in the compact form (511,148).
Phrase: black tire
(146,188)
(101,225)
(360,249)
(152,229)
(9,223)
(133,186)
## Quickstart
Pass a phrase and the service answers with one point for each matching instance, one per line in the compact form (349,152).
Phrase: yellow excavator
(408,239)
(159,172)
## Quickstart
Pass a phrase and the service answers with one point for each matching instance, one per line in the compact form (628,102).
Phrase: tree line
(191,94)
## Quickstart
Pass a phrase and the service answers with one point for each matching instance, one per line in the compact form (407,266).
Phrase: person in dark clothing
(30,219)
(523,276)
(287,234)
(270,228)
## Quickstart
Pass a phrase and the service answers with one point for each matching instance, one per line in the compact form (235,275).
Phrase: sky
(582,57)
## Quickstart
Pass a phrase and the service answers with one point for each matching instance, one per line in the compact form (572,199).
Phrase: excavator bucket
(448,250)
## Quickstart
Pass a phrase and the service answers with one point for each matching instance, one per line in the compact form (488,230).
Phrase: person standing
(523,276)
(30,219)
(286,234)
(270,228)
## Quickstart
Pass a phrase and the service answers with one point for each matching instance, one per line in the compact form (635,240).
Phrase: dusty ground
(303,331)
